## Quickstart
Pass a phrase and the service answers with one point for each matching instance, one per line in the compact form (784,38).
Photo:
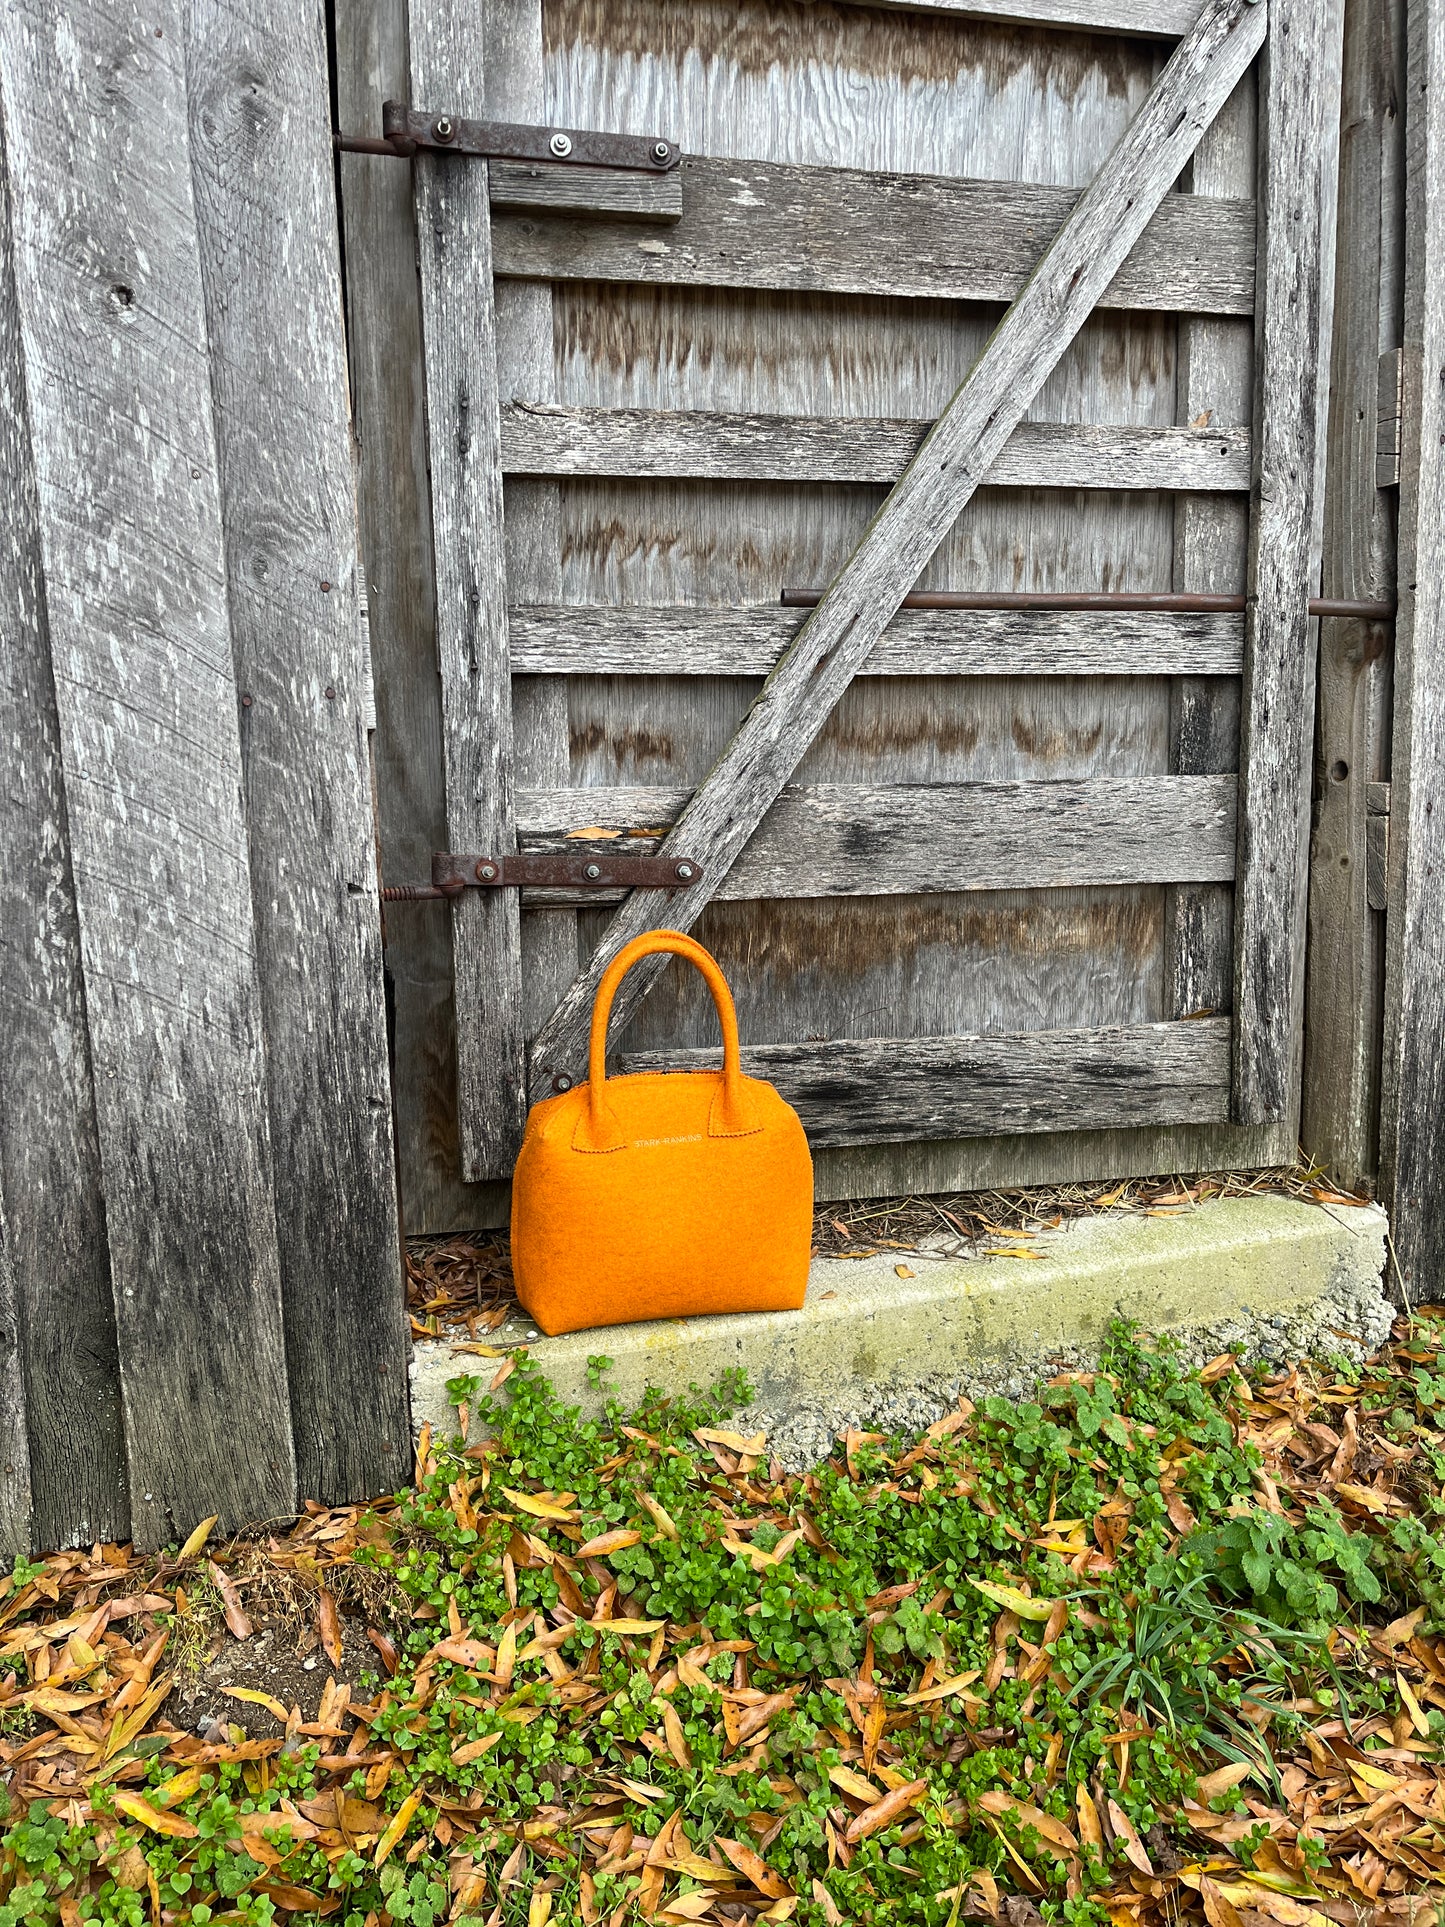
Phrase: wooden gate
(980,877)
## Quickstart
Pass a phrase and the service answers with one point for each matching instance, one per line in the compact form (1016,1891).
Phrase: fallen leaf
(401,1820)
(885,1811)
(328,1625)
(609,1542)
(197,1539)
(172,1826)
(1012,1600)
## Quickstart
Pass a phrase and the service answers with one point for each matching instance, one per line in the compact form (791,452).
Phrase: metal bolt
(485,872)
(561,1082)
(561,145)
(592,872)
(684,870)
(443,128)
(326,588)
(661,152)
(330,695)
(246,702)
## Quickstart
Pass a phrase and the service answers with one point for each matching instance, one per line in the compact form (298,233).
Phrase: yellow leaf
(400,1821)
(943,1690)
(541,1508)
(734,1441)
(1374,1777)
(1211,1785)
(1012,1251)
(1364,1495)
(180,1788)
(661,1518)
(505,1663)
(198,1538)
(595,832)
(904,1272)
(539,1910)
(172,1825)
(1412,1706)
(853,1784)
(634,1626)
(1015,1601)
(255,1698)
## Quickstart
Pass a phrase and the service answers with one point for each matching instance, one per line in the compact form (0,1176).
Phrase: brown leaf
(1127,1834)
(237,1623)
(328,1625)
(885,1811)
(754,1868)
(1219,1910)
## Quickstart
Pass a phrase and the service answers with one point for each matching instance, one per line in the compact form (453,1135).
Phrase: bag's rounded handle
(599,1129)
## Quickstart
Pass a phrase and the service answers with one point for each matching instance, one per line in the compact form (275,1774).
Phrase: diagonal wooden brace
(835,641)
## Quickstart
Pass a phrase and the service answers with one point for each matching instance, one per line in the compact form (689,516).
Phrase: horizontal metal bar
(589,869)
(1143,601)
(407,130)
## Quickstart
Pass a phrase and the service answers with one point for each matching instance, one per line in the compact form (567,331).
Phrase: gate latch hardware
(407,130)
(548,870)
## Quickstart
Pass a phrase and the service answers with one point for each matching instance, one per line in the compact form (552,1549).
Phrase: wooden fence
(201,1306)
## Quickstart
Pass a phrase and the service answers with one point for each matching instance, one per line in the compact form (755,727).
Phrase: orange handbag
(661,1195)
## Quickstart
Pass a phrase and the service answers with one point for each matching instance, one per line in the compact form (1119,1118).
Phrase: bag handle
(599,1127)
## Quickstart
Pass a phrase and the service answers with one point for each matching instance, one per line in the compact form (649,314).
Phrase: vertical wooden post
(65,1373)
(526,371)
(17,1514)
(1211,537)
(262,167)
(1412,1130)
(454,245)
(118,390)
(1299,114)
(1344,981)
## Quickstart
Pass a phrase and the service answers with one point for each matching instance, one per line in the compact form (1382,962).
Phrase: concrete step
(1271,1277)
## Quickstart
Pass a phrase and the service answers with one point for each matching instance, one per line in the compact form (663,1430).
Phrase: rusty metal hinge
(548,870)
(408,130)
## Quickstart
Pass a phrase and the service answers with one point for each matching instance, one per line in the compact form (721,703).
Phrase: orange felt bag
(661,1195)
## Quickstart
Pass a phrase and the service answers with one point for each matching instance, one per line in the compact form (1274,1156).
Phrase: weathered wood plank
(1344,977)
(526,369)
(1164,18)
(1299,102)
(1214,384)
(50,1185)
(563,639)
(842,839)
(1412,1113)
(549,187)
(463,437)
(539,440)
(888,1089)
(260,154)
(763,224)
(383,314)
(17,1517)
(118,386)
(841,633)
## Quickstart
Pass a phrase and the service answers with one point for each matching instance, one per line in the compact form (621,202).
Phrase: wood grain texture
(838,636)
(755,224)
(1344,978)
(383,313)
(57,1260)
(108,283)
(881,1090)
(680,640)
(526,368)
(463,439)
(1161,17)
(1299,112)
(538,440)
(17,1517)
(551,187)
(1412,1113)
(1215,384)
(841,839)
(260,158)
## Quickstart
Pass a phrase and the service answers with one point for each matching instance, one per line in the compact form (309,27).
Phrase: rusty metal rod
(1120,602)
(368,144)
(415,893)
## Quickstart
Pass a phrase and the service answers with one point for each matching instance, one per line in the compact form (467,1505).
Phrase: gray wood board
(1161,17)
(1412,1116)
(754,224)
(1215,383)
(564,639)
(540,440)
(1344,980)
(383,312)
(261,163)
(552,187)
(17,1519)
(58,1264)
(840,839)
(841,632)
(108,283)
(1299,102)
(882,1090)
(463,440)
